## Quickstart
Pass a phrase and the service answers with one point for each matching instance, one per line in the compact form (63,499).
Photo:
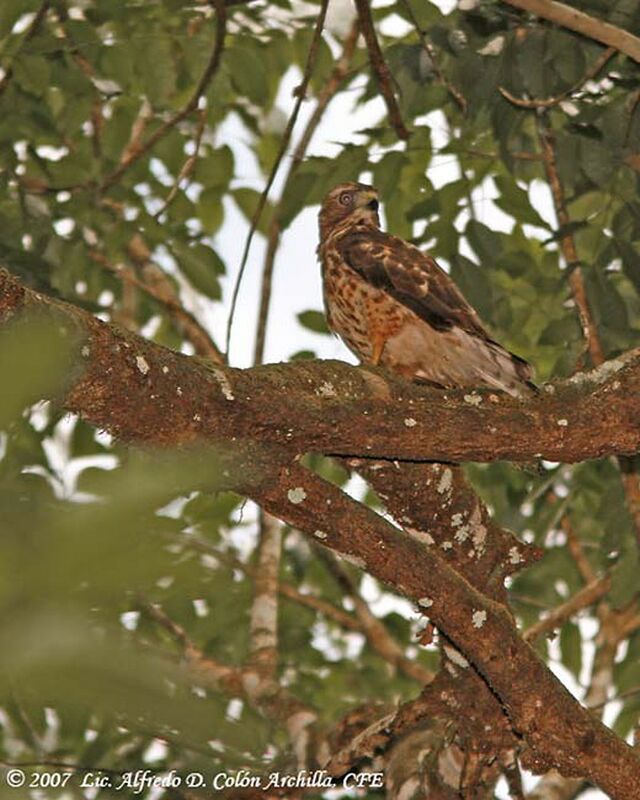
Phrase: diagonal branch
(588,595)
(579,22)
(376,632)
(192,104)
(278,705)
(567,242)
(628,472)
(327,92)
(453,90)
(163,292)
(548,102)
(380,68)
(379,638)
(300,92)
(544,713)
(121,365)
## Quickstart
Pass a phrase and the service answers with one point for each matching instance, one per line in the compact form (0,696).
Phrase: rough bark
(139,390)
(148,395)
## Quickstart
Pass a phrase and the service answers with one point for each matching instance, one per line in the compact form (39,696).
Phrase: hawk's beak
(368,200)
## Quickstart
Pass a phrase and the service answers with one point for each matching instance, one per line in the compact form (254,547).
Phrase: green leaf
(515,201)
(597,161)
(624,578)
(210,210)
(155,65)
(303,355)
(630,262)
(247,72)
(34,352)
(486,244)
(571,648)
(608,306)
(215,169)
(247,201)
(32,73)
(314,321)
(202,266)
(12,10)
(297,197)
(386,173)
(561,331)
(474,284)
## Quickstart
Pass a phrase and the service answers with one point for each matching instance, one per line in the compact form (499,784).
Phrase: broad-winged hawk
(394,306)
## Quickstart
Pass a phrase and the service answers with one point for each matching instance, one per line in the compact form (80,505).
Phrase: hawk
(394,306)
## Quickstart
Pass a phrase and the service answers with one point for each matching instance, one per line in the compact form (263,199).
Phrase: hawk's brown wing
(409,276)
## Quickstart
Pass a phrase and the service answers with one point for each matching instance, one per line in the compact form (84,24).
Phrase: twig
(29,34)
(574,546)
(548,102)
(617,697)
(567,242)
(214,62)
(300,93)
(632,106)
(629,476)
(97,117)
(187,167)
(287,590)
(134,144)
(380,68)
(327,92)
(278,705)
(125,313)
(582,23)
(457,95)
(377,634)
(184,320)
(203,667)
(558,616)
(393,653)
(513,776)
(519,155)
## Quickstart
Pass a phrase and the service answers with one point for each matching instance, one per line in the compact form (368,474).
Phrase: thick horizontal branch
(140,390)
(147,394)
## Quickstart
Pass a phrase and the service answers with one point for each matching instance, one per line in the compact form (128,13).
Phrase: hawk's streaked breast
(395,307)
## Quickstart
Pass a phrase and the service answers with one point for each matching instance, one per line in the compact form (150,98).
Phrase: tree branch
(582,23)
(300,92)
(264,608)
(567,242)
(137,153)
(160,289)
(131,387)
(139,390)
(327,92)
(428,48)
(380,68)
(539,708)
(558,616)
(374,629)
(548,102)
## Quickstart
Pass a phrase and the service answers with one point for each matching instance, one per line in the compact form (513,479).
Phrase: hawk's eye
(345,199)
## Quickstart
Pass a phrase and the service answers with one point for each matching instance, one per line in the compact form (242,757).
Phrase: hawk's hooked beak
(368,200)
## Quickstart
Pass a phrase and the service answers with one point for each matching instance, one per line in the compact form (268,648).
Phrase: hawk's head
(348,202)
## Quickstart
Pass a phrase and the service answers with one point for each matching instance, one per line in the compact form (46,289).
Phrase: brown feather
(393,304)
